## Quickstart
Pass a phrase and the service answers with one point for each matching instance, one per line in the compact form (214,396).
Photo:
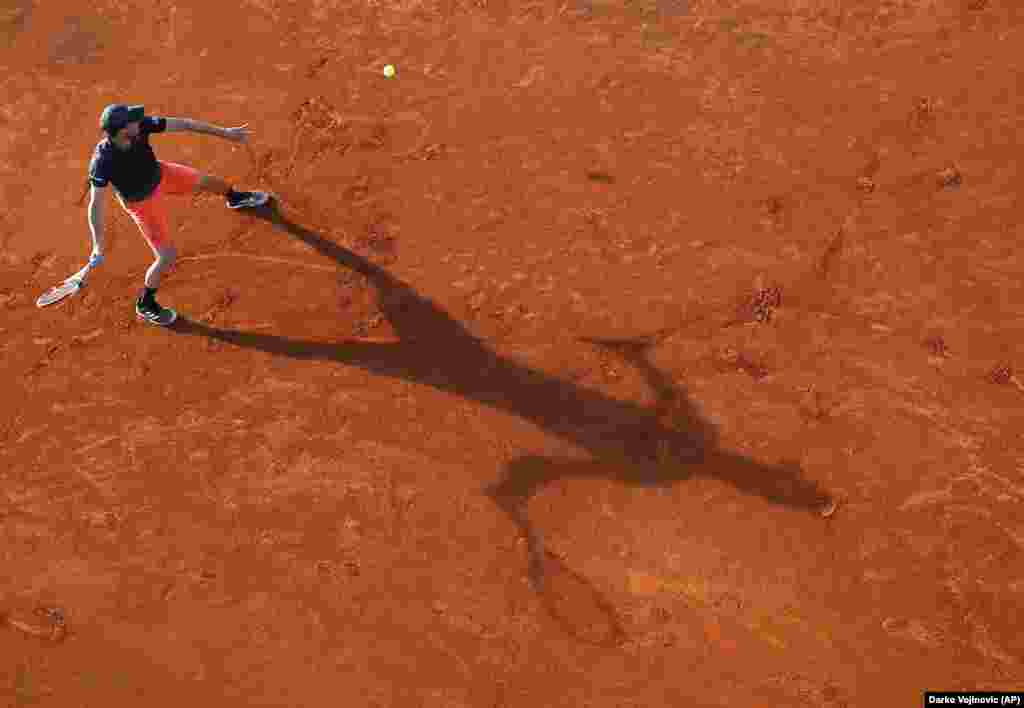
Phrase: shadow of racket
(572,601)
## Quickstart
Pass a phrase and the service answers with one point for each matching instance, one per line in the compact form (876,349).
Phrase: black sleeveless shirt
(135,172)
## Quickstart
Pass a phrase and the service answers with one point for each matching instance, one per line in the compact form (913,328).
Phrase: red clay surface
(388,456)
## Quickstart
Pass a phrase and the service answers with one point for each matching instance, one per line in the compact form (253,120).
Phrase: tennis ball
(389,71)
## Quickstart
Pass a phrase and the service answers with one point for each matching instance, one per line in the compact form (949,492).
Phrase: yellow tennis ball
(389,71)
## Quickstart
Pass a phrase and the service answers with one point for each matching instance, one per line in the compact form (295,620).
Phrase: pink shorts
(149,214)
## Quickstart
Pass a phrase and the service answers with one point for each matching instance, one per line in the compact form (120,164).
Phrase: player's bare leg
(165,256)
(147,307)
(234,199)
(213,185)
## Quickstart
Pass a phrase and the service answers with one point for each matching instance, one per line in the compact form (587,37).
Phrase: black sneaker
(154,313)
(247,200)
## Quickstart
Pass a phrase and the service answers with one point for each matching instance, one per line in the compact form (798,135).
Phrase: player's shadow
(628,442)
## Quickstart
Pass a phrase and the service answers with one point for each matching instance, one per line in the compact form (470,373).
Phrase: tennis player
(125,159)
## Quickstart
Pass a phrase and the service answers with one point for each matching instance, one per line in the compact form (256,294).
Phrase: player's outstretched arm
(237,135)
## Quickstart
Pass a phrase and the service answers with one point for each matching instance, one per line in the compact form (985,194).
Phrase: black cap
(118,115)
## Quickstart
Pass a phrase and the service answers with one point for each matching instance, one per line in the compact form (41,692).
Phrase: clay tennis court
(614,353)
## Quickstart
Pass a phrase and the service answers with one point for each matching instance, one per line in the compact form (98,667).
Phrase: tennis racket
(69,287)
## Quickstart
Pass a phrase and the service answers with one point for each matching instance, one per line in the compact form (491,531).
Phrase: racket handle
(80,275)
